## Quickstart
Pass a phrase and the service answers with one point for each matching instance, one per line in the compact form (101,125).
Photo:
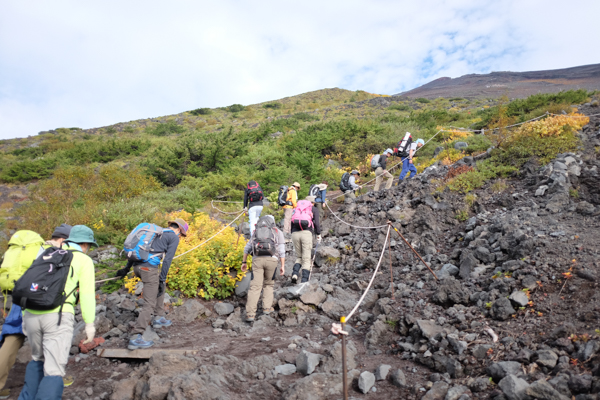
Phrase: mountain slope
(512,84)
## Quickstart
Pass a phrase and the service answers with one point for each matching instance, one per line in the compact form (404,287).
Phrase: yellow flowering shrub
(211,270)
(554,125)
(130,283)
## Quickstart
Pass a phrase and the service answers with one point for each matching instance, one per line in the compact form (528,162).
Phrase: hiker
(348,184)
(12,337)
(290,203)
(320,193)
(50,332)
(154,279)
(266,246)
(305,221)
(381,172)
(253,203)
(407,162)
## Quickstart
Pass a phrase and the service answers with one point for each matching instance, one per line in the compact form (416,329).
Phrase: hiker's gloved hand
(246,209)
(122,272)
(319,239)
(161,288)
(90,331)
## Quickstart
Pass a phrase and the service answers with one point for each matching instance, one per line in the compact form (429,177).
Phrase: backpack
(282,196)
(23,248)
(42,286)
(375,161)
(403,146)
(303,214)
(255,192)
(314,190)
(345,182)
(138,245)
(263,241)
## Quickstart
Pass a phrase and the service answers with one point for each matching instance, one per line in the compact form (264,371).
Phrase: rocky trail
(514,315)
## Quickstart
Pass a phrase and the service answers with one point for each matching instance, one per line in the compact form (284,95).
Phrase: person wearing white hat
(381,172)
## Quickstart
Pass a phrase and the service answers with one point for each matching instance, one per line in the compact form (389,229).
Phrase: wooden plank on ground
(142,353)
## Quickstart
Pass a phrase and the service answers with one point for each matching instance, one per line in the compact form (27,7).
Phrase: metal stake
(344,370)
(391,272)
(414,251)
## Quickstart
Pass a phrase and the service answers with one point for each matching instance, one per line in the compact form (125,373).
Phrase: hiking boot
(161,323)
(296,273)
(249,318)
(68,380)
(305,275)
(4,393)
(268,311)
(138,342)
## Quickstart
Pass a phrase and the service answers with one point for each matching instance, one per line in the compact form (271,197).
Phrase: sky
(89,64)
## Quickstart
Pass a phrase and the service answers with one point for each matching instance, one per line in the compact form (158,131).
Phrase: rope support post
(414,251)
(344,369)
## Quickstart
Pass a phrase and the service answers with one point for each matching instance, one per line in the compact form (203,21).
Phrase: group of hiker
(48,278)
(405,150)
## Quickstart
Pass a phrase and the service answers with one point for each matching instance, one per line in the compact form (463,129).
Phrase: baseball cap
(62,231)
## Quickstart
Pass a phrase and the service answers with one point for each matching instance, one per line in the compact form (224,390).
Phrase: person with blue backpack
(145,246)
(305,222)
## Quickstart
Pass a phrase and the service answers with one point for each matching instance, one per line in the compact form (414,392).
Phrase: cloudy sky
(94,63)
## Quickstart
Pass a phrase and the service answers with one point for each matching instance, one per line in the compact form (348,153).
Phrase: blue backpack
(138,245)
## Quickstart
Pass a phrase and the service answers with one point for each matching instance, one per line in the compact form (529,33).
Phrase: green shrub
(166,129)
(302,116)
(274,106)
(201,111)
(25,171)
(476,178)
(422,100)
(400,107)
(236,108)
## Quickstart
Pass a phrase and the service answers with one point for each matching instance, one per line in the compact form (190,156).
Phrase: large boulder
(366,380)
(189,311)
(514,388)
(318,386)
(307,362)
(326,255)
(502,309)
(449,292)
(501,369)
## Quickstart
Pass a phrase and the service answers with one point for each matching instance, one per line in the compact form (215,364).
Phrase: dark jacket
(383,161)
(248,203)
(166,243)
(316,222)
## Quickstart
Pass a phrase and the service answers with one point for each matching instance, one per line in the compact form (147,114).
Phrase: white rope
(354,226)
(212,237)
(372,278)
(224,212)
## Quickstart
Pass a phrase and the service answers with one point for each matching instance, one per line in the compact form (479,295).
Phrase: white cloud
(87,64)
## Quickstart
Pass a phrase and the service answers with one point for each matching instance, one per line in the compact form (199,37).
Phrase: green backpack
(23,249)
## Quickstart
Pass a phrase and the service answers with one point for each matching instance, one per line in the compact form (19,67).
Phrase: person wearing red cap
(154,279)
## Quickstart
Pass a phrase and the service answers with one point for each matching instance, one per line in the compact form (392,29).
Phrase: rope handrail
(346,318)
(354,226)
(224,212)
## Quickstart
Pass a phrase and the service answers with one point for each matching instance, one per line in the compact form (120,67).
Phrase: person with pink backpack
(305,222)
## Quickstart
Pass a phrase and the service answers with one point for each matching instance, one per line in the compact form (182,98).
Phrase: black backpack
(263,240)
(314,190)
(345,182)
(404,146)
(282,196)
(255,192)
(42,286)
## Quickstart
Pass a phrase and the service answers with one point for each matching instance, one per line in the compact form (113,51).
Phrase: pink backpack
(303,214)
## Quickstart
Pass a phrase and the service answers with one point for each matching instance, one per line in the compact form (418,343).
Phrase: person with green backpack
(12,337)
(49,316)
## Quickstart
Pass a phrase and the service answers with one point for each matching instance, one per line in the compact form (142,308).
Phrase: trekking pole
(240,230)
(312,262)
(414,251)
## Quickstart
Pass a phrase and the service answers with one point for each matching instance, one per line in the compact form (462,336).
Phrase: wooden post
(391,272)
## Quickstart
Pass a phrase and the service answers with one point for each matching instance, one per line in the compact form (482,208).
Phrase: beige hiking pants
(152,304)
(379,175)
(303,241)
(287,220)
(8,355)
(50,342)
(263,269)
